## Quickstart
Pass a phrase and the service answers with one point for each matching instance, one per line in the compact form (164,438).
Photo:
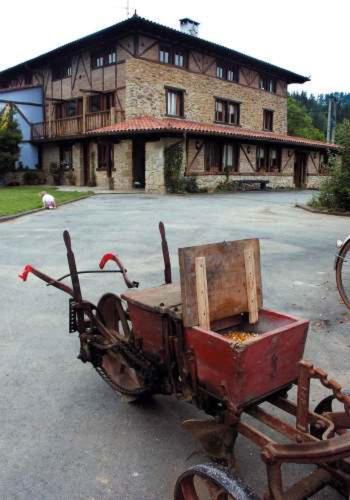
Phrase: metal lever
(72,267)
(50,281)
(166,256)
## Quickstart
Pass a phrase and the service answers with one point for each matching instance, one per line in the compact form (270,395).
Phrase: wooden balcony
(75,125)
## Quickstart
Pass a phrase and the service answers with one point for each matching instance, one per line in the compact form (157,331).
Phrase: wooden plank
(202,293)
(251,285)
(226,279)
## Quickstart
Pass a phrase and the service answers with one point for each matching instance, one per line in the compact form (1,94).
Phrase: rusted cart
(172,339)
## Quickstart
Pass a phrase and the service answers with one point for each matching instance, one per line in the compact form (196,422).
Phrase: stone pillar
(154,165)
(77,155)
(123,166)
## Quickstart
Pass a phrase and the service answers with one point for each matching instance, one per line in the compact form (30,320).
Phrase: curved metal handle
(111,256)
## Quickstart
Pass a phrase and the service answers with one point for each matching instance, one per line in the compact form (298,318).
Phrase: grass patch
(14,200)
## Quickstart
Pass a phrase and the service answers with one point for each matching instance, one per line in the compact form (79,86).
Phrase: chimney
(189,26)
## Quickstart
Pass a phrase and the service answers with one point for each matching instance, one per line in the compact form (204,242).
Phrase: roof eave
(137,22)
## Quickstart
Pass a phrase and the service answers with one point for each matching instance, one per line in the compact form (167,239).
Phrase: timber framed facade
(114,101)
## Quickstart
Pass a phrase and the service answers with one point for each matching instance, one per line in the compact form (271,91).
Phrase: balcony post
(50,108)
(112,111)
(84,112)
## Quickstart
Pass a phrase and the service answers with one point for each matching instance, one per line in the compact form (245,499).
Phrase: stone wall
(77,161)
(210,182)
(315,181)
(145,95)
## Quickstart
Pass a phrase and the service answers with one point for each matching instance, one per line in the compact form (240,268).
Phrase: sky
(309,37)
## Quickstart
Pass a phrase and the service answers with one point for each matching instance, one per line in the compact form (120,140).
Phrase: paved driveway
(64,435)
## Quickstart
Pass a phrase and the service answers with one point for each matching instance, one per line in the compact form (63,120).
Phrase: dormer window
(179,58)
(220,71)
(164,55)
(105,57)
(175,56)
(228,72)
(268,84)
(62,70)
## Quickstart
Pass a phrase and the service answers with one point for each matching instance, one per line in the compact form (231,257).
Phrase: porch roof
(150,124)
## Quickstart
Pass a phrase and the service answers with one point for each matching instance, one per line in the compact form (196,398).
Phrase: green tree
(10,137)
(335,190)
(300,122)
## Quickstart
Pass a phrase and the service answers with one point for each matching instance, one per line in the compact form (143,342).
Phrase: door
(138,159)
(300,170)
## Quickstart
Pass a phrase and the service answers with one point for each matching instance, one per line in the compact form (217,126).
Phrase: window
(221,156)
(219,71)
(227,112)
(174,102)
(169,55)
(62,70)
(100,102)
(220,111)
(179,58)
(268,158)
(105,156)
(268,84)
(164,55)
(68,109)
(66,160)
(227,72)
(105,57)
(268,120)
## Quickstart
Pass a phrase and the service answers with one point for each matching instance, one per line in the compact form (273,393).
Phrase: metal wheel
(113,368)
(342,273)
(211,482)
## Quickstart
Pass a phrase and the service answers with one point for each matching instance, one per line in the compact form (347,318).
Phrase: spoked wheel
(114,368)
(211,482)
(340,419)
(342,273)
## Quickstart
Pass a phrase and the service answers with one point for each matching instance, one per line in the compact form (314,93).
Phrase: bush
(189,185)
(227,186)
(32,178)
(172,168)
(335,190)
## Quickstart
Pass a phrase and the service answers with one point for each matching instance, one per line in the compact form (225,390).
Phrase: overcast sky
(310,37)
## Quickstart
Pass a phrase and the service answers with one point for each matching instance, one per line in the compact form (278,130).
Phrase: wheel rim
(211,482)
(195,487)
(343,274)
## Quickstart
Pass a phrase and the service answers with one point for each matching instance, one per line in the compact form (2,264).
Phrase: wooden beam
(149,47)
(247,157)
(252,295)
(202,293)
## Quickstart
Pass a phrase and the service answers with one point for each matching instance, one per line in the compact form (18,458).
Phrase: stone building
(114,101)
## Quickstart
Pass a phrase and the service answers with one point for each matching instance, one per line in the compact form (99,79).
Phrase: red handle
(106,258)
(26,270)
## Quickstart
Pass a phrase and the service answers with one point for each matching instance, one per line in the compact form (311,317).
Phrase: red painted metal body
(247,372)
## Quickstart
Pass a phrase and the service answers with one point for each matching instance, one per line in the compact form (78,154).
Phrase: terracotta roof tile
(149,124)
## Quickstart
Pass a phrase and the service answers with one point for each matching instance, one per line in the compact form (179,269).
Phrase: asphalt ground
(64,434)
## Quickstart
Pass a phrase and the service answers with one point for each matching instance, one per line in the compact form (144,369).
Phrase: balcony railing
(76,125)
